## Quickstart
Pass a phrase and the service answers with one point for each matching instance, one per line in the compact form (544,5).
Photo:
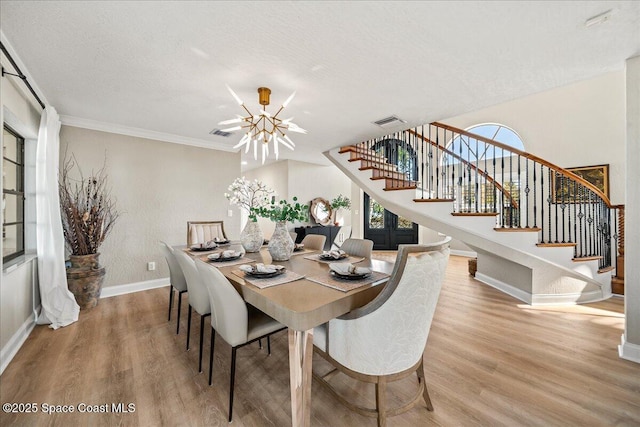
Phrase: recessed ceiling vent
(221,133)
(389,121)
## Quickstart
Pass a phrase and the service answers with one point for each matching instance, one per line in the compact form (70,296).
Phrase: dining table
(301,305)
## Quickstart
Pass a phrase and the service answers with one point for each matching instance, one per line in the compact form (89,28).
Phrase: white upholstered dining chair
(384,341)
(315,242)
(204,231)
(176,278)
(358,247)
(237,322)
(198,296)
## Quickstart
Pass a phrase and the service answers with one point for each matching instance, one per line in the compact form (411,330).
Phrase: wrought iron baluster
(437,164)
(423,157)
(549,204)
(542,202)
(574,202)
(581,217)
(554,194)
(563,207)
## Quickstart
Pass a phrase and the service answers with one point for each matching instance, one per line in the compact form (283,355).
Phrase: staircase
(542,234)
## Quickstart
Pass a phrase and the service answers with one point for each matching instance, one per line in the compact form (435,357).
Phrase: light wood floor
(490,361)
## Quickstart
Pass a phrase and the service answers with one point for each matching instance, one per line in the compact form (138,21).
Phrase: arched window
(473,150)
(399,153)
(479,166)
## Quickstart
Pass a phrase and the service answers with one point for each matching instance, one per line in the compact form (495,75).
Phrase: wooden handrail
(529,156)
(514,203)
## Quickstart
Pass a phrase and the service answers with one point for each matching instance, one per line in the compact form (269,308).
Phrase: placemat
(350,259)
(345,285)
(241,260)
(198,253)
(304,251)
(286,277)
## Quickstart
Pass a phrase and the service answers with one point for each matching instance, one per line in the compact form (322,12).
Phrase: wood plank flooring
(490,361)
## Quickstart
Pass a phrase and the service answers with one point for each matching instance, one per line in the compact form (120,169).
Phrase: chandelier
(263,128)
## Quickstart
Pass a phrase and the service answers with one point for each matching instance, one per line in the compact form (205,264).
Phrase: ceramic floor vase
(85,278)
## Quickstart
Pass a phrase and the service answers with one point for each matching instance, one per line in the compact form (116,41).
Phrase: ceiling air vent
(219,132)
(389,121)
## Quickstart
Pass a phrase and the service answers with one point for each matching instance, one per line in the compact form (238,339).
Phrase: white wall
(582,124)
(276,177)
(159,186)
(306,181)
(630,348)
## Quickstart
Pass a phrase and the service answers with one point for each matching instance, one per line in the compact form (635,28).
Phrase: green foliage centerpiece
(340,202)
(281,245)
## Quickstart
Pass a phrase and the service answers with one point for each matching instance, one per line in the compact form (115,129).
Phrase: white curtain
(59,307)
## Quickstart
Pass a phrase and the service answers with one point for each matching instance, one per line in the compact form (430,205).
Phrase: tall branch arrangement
(249,195)
(88,209)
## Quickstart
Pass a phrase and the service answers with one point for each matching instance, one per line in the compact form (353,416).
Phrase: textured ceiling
(163,66)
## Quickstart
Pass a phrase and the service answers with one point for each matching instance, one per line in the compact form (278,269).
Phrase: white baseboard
(504,287)
(13,345)
(629,351)
(542,299)
(468,254)
(112,291)
(569,299)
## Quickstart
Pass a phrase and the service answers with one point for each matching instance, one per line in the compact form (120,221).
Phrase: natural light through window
(473,149)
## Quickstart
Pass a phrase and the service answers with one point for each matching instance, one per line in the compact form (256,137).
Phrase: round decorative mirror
(321,211)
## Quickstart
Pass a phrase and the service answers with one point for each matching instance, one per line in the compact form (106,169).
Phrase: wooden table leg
(300,358)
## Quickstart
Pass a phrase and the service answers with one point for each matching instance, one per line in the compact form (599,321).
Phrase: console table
(330,232)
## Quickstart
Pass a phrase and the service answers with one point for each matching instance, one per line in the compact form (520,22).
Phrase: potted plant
(281,245)
(88,215)
(250,195)
(337,203)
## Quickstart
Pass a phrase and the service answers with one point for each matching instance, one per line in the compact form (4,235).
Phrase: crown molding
(80,122)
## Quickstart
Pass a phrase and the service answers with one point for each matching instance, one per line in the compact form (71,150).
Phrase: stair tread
(368,158)
(433,200)
(376,178)
(353,148)
(474,213)
(556,245)
(516,229)
(400,188)
(586,258)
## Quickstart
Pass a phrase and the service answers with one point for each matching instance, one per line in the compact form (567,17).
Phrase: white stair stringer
(509,261)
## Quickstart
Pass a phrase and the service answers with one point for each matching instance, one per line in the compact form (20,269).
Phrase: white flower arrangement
(249,195)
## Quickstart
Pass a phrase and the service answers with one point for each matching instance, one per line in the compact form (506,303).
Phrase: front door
(386,229)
